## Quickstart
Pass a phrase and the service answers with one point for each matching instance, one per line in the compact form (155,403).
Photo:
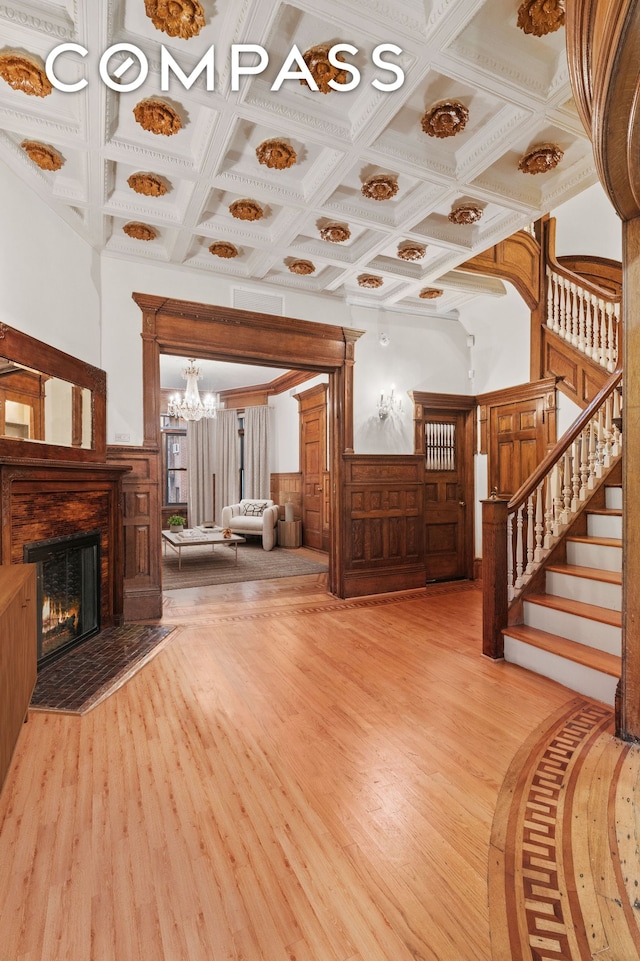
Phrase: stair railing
(584,314)
(518,534)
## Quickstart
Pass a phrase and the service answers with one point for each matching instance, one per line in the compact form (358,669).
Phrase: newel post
(494,575)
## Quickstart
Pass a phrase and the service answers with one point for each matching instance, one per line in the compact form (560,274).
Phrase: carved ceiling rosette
(277,154)
(317,60)
(148,184)
(224,249)
(539,17)
(177,18)
(24,73)
(302,267)
(370,281)
(140,231)
(335,233)
(465,214)
(42,155)
(157,117)
(246,210)
(380,187)
(445,119)
(541,159)
(410,251)
(430,293)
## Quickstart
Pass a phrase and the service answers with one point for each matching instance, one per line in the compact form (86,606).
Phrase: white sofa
(253,516)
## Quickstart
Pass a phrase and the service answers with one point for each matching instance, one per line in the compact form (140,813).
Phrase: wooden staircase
(572,630)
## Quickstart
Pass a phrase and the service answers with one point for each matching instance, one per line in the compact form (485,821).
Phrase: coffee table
(196,537)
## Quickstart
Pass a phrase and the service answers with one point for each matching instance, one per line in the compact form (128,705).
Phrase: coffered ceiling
(472,54)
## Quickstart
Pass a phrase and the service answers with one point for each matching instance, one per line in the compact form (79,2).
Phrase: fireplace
(68,577)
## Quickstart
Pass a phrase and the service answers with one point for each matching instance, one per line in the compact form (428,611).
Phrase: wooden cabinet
(18,642)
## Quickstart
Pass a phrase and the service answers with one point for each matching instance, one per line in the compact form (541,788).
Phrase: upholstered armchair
(253,516)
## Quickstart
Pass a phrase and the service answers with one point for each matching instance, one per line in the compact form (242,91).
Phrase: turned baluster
(602,319)
(592,455)
(539,551)
(548,514)
(510,590)
(558,502)
(610,350)
(608,432)
(589,336)
(573,314)
(575,477)
(581,320)
(616,333)
(600,445)
(550,287)
(519,549)
(584,463)
(566,489)
(617,435)
(530,512)
(556,304)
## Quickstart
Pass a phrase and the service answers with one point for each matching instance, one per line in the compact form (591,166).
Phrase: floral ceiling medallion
(277,154)
(465,214)
(539,17)
(148,184)
(380,187)
(411,251)
(177,18)
(246,210)
(140,231)
(445,119)
(222,248)
(317,60)
(25,74)
(157,117)
(370,281)
(42,155)
(430,293)
(541,159)
(301,267)
(336,233)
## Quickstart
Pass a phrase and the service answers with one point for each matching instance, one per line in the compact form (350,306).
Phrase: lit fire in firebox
(60,620)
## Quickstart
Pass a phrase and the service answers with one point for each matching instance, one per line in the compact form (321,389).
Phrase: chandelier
(190,406)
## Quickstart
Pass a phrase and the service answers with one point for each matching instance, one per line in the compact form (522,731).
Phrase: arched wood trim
(181,327)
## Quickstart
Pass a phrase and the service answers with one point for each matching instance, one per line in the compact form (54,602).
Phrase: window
(175,466)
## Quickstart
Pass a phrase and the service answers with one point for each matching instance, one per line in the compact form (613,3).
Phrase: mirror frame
(36,355)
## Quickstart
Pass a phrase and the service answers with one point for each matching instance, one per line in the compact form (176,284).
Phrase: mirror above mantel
(51,404)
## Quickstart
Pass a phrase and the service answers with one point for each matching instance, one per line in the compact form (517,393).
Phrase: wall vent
(258,301)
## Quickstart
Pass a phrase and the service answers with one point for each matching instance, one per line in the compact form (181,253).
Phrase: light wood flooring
(299,778)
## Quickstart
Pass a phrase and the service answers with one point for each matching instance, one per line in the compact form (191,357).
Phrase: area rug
(95,669)
(202,567)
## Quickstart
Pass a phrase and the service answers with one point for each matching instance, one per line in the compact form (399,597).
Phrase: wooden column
(629,720)
(350,337)
(494,576)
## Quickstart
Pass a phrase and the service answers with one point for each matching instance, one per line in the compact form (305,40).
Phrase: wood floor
(299,778)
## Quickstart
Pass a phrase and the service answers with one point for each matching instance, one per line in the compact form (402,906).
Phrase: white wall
(424,353)
(588,224)
(49,276)
(285,457)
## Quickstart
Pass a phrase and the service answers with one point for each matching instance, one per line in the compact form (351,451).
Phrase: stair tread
(601,541)
(590,573)
(571,650)
(592,611)
(606,511)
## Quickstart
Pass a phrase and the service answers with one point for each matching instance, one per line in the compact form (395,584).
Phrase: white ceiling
(515,86)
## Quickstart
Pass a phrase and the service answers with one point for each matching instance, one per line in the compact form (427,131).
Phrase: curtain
(257,478)
(213,450)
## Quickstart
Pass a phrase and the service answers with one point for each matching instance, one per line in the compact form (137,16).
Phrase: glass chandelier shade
(190,406)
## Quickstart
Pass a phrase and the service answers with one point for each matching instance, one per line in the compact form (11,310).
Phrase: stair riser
(584,589)
(613,498)
(604,637)
(594,555)
(576,677)
(604,525)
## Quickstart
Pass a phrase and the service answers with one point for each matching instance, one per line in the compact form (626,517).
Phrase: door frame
(424,403)
(318,393)
(214,332)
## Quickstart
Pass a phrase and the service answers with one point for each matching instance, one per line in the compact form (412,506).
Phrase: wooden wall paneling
(521,429)
(142,580)
(383,546)
(285,486)
(578,377)
(516,259)
(312,408)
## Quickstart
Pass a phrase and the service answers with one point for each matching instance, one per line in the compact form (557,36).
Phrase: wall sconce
(389,404)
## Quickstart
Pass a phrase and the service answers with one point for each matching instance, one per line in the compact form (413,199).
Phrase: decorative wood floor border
(564,866)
